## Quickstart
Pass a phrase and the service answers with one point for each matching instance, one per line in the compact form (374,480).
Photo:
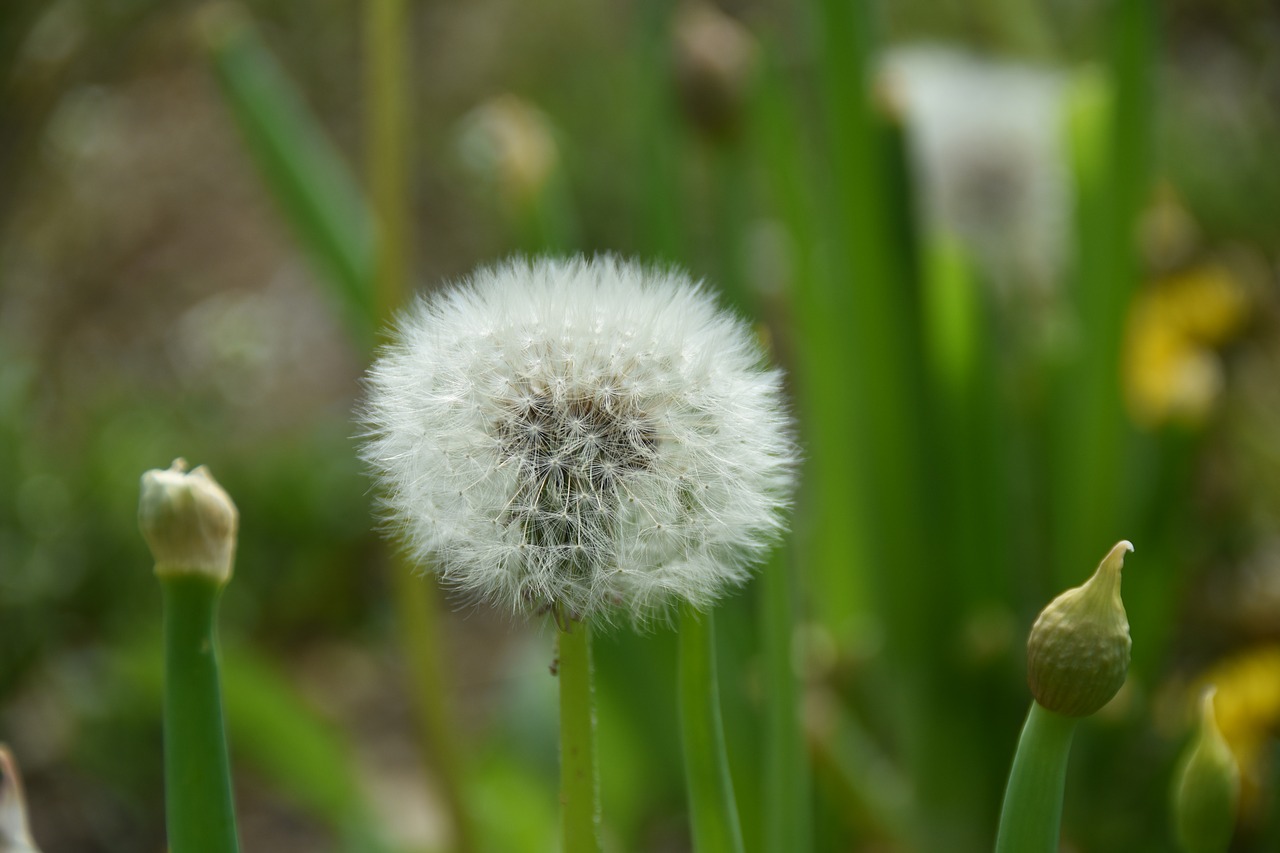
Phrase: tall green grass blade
(871,297)
(1111,129)
(974,520)
(830,539)
(713,811)
(306,175)
(786,765)
(302,755)
(417,604)
(880,317)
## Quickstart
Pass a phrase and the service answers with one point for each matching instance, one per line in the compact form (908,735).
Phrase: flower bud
(188,521)
(15,836)
(1206,788)
(1078,651)
(511,142)
(715,59)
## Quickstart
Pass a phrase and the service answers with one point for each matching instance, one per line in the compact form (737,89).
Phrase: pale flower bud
(715,58)
(189,522)
(1078,651)
(1206,788)
(15,836)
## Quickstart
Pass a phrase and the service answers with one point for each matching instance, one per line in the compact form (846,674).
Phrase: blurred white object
(511,142)
(15,837)
(988,148)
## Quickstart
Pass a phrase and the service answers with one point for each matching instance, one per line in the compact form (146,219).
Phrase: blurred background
(1020,261)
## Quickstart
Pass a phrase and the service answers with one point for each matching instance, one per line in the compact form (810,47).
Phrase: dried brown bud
(715,59)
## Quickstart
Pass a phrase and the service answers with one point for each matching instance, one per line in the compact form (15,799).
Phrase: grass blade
(306,175)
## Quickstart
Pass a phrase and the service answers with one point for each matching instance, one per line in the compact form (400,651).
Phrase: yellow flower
(1171,370)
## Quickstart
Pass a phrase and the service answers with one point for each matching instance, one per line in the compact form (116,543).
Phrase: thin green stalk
(579,775)
(417,604)
(713,811)
(1032,815)
(786,773)
(386,71)
(1112,169)
(417,613)
(871,300)
(833,542)
(199,809)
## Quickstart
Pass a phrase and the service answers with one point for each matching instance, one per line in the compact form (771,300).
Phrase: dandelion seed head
(589,434)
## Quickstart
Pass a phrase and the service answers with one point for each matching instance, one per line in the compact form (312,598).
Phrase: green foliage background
(187,265)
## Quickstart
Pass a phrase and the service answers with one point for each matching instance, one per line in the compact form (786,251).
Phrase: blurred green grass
(969,451)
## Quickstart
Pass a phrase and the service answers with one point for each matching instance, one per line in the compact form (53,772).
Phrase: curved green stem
(198,803)
(713,812)
(1032,815)
(579,777)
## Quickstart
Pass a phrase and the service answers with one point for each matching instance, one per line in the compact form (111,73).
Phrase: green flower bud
(1078,651)
(189,522)
(1206,788)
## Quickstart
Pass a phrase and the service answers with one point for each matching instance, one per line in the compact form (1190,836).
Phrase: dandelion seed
(584,434)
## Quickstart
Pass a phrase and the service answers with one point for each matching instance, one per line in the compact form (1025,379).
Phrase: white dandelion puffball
(582,434)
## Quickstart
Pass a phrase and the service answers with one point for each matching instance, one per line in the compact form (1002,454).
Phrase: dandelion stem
(1032,813)
(199,810)
(579,776)
(713,812)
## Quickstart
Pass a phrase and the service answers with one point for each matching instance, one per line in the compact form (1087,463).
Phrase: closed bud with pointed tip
(189,522)
(1206,788)
(1078,651)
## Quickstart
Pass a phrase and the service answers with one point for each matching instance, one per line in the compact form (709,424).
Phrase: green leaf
(306,175)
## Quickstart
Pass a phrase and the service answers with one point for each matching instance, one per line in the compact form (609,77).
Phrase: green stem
(1032,813)
(386,71)
(713,812)
(417,604)
(198,803)
(786,776)
(1112,171)
(832,540)
(418,616)
(579,776)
